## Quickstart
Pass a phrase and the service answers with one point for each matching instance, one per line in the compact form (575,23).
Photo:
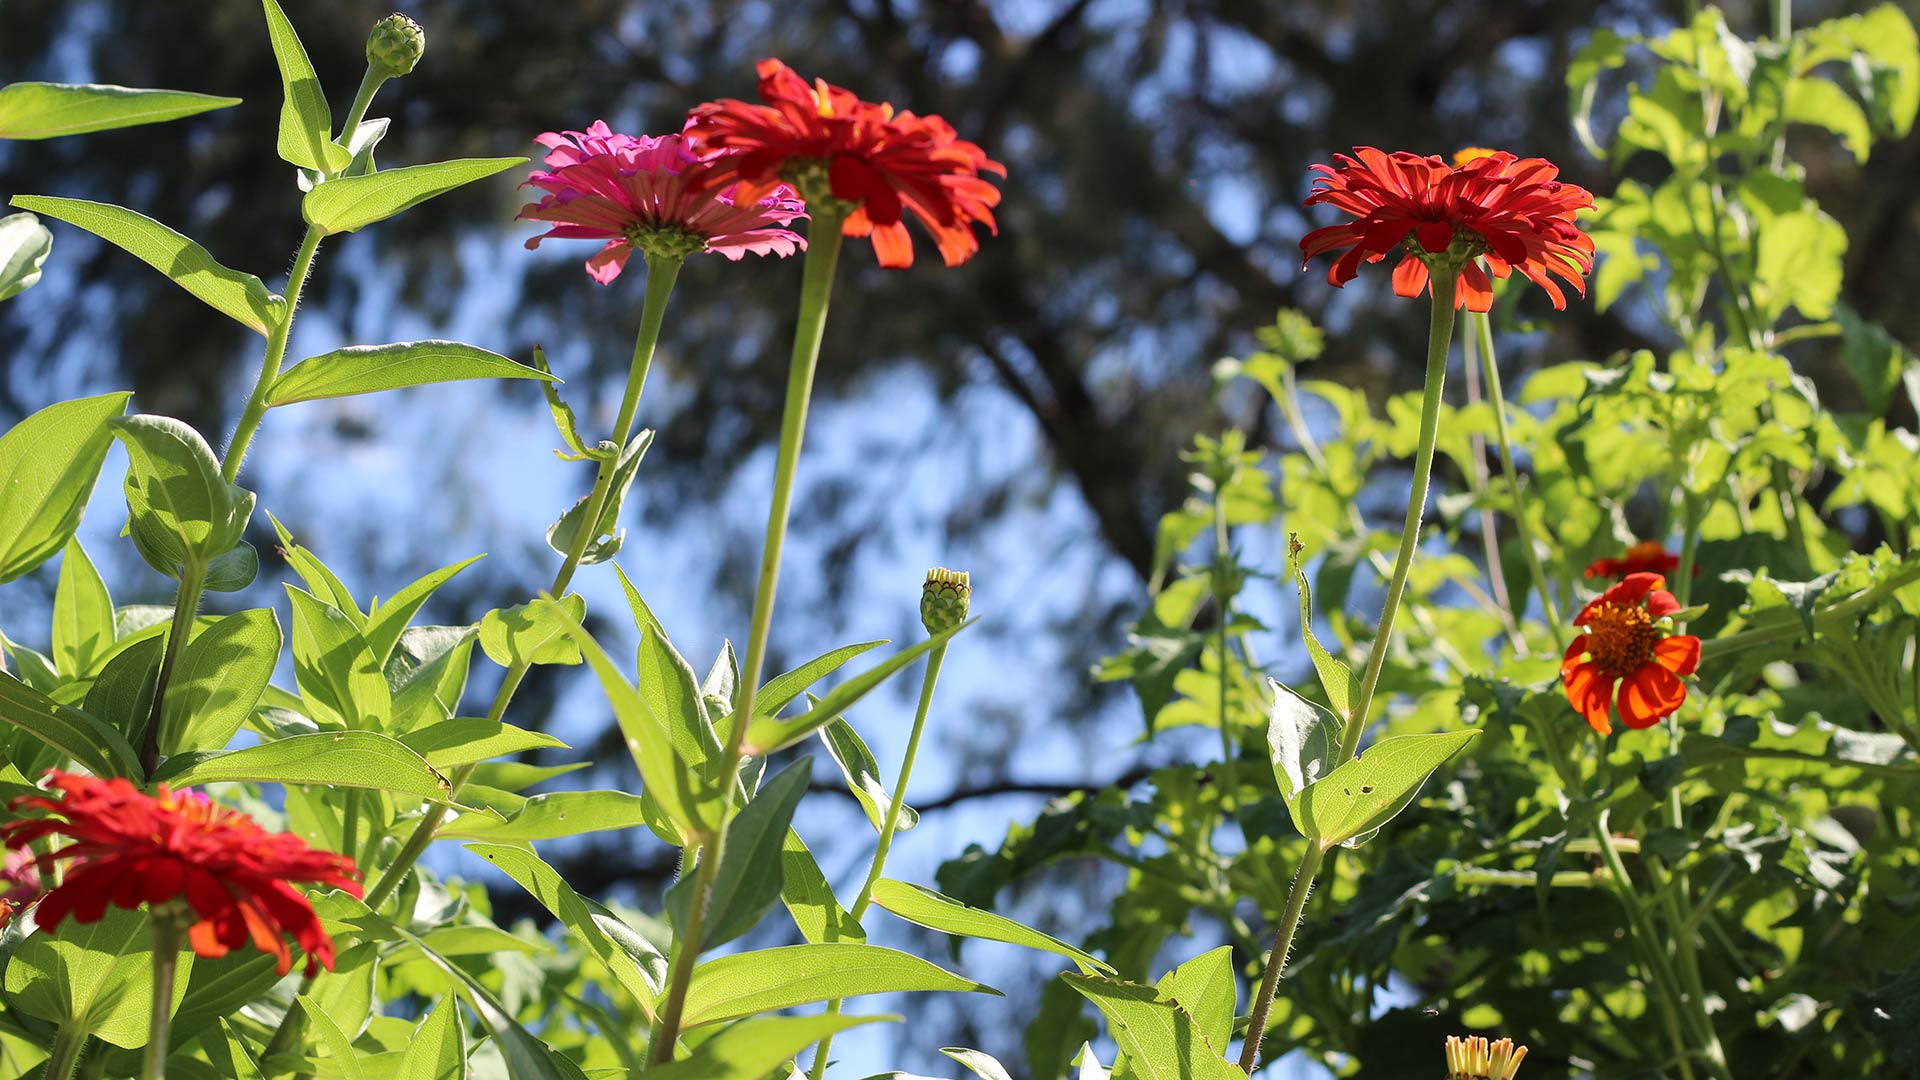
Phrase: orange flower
(1510,211)
(129,847)
(1626,646)
(1645,556)
(827,142)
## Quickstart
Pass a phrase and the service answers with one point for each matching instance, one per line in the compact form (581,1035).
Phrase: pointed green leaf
(369,369)
(239,296)
(607,534)
(749,983)
(82,614)
(335,1040)
(181,511)
(862,774)
(551,816)
(387,621)
(665,679)
(354,202)
(1302,739)
(546,885)
(934,911)
(339,680)
(778,692)
(94,745)
(306,121)
(218,680)
(1161,1040)
(24,245)
(1357,798)
(1204,987)
(749,878)
(767,735)
(809,898)
(468,739)
(354,759)
(100,975)
(42,110)
(566,422)
(437,1050)
(48,463)
(752,1049)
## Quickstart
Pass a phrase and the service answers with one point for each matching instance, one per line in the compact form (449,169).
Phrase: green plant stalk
(1785,625)
(1222,549)
(256,408)
(816,289)
(1439,346)
(370,84)
(1489,530)
(64,1055)
(1523,520)
(186,603)
(661,276)
(169,936)
(888,828)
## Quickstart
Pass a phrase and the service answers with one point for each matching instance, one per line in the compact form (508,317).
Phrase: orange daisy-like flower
(1510,211)
(1626,646)
(826,141)
(129,847)
(1647,556)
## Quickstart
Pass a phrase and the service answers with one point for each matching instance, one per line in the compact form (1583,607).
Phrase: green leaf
(369,369)
(667,683)
(749,878)
(767,735)
(1822,103)
(780,690)
(466,740)
(24,245)
(437,1050)
(99,975)
(1799,265)
(336,1041)
(550,816)
(1357,798)
(765,980)
(227,1053)
(533,633)
(934,911)
(220,677)
(754,1048)
(1302,739)
(340,682)
(1336,678)
(809,897)
(82,614)
(1205,989)
(566,422)
(683,794)
(241,297)
(306,122)
(354,759)
(42,110)
(1161,1040)
(48,463)
(233,569)
(586,920)
(354,202)
(182,512)
(388,621)
(94,745)
(122,694)
(607,534)
(981,1064)
(428,675)
(862,774)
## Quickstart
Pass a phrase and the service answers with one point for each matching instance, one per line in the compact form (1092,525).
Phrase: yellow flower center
(1471,153)
(1620,639)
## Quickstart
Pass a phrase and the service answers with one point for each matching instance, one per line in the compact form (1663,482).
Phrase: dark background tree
(1157,152)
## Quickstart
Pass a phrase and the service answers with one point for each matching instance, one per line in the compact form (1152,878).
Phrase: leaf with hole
(1357,798)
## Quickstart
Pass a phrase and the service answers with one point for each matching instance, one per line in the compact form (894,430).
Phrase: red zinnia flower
(651,193)
(882,162)
(129,847)
(1626,644)
(1646,556)
(1509,210)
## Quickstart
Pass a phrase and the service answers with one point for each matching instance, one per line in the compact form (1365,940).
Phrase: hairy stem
(256,408)
(186,603)
(816,289)
(1523,520)
(1277,957)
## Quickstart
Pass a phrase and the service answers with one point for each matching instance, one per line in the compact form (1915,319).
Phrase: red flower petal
(1648,695)
(1679,654)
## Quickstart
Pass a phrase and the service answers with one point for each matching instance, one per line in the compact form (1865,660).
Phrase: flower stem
(1489,526)
(362,99)
(1439,345)
(256,409)
(1229,746)
(64,1055)
(661,275)
(186,603)
(889,826)
(816,288)
(1523,520)
(169,936)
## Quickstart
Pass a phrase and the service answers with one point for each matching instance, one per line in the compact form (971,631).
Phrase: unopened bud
(943,601)
(396,45)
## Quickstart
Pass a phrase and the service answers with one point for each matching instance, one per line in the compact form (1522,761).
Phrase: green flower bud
(943,601)
(396,45)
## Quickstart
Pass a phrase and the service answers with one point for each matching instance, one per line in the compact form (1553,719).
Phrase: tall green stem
(186,603)
(1439,345)
(816,288)
(888,827)
(64,1055)
(1523,519)
(256,409)
(1229,746)
(169,936)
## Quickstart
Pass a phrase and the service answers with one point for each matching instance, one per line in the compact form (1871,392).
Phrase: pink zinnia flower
(646,192)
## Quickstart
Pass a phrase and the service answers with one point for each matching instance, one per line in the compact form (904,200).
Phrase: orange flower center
(1620,639)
